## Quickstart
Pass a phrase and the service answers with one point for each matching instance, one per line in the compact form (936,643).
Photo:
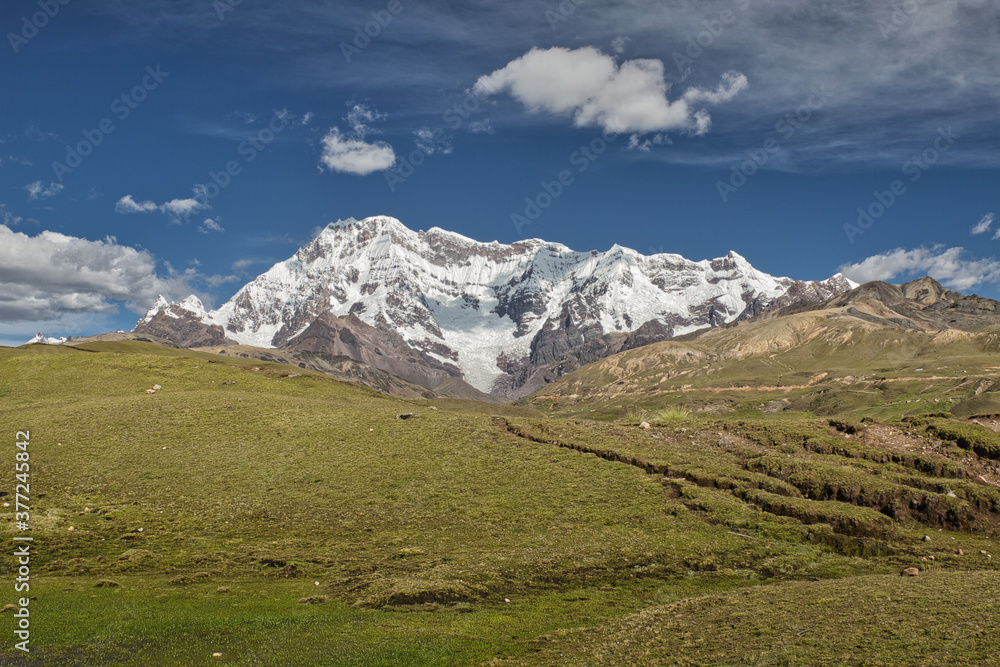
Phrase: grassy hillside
(825,362)
(281,517)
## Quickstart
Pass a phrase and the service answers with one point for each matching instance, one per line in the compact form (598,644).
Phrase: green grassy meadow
(281,517)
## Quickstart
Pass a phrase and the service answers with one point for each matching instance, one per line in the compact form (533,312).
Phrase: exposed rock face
(505,318)
(185,323)
(920,304)
(350,337)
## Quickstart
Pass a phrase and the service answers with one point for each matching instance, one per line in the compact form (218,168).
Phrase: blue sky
(184,147)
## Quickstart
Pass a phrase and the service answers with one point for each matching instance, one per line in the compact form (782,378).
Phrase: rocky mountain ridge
(505,318)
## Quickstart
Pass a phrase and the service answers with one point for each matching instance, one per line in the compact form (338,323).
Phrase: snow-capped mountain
(45,340)
(492,312)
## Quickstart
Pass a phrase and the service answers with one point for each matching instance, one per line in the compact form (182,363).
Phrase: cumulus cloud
(596,91)
(47,276)
(983,225)
(38,191)
(355,156)
(181,208)
(351,153)
(950,266)
(129,205)
(210,225)
(177,209)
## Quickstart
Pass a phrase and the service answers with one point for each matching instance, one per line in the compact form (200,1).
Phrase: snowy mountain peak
(42,339)
(495,311)
(189,307)
(160,305)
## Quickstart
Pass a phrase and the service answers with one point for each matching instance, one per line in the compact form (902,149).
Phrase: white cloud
(306,118)
(181,208)
(983,225)
(128,205)
(178,209)
(597,92)
(47,276)
(618,44)
(949,266)
(210,226)
(38,191)
(8,218)
(359,118)
(351,154)
(429,141)
(355,156)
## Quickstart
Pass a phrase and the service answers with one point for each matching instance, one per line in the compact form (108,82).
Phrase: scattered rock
(927,538)
(157,387)
(951,494)
(71,529)
(644,425)
(910,572)
(150,391)
(406,415)
(230,382)
(313,599)
(106,583)
(9,607)
(961,553)
(216,655)
(223,589)
(982,551)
